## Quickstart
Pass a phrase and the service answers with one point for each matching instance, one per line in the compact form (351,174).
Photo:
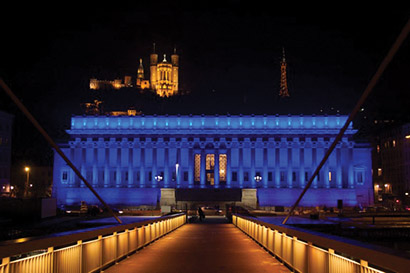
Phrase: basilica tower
(153,68)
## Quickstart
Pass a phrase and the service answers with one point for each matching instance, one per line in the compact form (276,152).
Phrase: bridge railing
(312,252)
(89,251)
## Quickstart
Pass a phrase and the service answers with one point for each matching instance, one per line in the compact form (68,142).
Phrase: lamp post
(258,179)
(27,170)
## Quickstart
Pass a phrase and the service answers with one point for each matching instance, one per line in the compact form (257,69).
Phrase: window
(330,176)
(282,176)
(210,162)
(246,176)
(306,176)
(185,176)
(293,176)
(378,148)
(234,176)
(360,177)
(197,167)
(270,176)
(149,176)
(222,167)
(394,143)
(379,172)
(64,176)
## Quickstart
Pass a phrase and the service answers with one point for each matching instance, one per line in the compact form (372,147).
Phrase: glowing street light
(27,170)
(258,178)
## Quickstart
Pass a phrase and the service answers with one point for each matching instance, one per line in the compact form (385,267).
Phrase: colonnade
(258,162)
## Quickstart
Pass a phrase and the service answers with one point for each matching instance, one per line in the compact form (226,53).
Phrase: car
(212,210)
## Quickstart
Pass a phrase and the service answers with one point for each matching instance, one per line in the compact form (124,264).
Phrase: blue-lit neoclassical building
(150,160)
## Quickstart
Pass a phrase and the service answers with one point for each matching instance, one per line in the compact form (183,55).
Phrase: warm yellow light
(26,169)
(386,185)
(408,136)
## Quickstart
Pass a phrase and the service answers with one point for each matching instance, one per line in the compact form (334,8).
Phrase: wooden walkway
(211,246)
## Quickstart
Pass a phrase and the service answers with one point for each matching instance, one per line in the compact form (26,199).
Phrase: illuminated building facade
(391,164)
(164,77)
(135,160)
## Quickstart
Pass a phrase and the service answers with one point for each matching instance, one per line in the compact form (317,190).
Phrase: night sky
(229,58)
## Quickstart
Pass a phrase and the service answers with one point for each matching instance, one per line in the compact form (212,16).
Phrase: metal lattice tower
(283,92)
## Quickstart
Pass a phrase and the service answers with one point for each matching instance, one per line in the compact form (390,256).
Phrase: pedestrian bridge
(168,244)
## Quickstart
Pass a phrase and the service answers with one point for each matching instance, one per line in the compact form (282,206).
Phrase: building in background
(6,122)
(150,160)
(391,164)
(164,77)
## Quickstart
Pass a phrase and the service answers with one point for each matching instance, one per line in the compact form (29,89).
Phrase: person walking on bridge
(201,214)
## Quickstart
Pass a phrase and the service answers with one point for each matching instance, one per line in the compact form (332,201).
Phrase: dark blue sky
(230,54)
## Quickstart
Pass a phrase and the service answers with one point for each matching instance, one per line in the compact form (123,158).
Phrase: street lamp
(27,170)
(258,178)
(158,178)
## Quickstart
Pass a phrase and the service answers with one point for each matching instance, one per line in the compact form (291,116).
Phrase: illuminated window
(379,171)
(210,162)
(222,167)
(197,167)
(330,176)
(378,148)
(394,143)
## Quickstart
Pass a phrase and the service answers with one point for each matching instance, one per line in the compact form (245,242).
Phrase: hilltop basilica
(163,77)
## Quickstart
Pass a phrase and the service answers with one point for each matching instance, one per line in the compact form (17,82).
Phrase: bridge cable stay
(400,39)
(54,145)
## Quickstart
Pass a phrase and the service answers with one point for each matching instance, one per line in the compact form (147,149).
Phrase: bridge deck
(211,246)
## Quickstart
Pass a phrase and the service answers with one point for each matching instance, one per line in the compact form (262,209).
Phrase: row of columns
(282,176)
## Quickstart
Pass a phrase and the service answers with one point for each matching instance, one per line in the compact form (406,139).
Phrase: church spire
(283,92)
(140,72)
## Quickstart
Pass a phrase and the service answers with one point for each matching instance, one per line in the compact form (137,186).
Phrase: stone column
(216,169)
(142,168)
(302,167)
(154,166)
(314,165)
(191,162)
(228,168)
(253,173)
(326,171)
(350,170)
(166,168)
(265,168)
(179,168)
(289,169)
(338,167)
(240,166)
(95,175)
(203,166)
(277,166)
